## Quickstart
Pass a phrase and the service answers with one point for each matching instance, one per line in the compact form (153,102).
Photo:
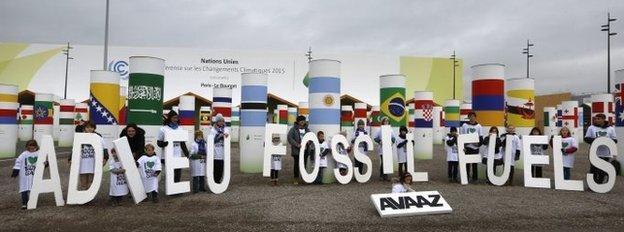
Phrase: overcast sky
(570,49)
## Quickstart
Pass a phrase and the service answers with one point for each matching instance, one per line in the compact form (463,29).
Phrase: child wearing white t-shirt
(276,161)
(600,128)
(197,161)
(24,167)
(569,146)
(402,150)
(515,149)
(118,184)
(325,150)
(87,158)
(149,169)
(450,145)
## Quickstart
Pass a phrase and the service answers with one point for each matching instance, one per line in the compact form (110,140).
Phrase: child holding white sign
(342,150)
(198,162)
(325,149)
(149,169)
(118,184)
(276,161)
(600,128)
(569,145)
(515,149)
(87,158)
(450,144)
(219,132)
(402,150)
(24,167)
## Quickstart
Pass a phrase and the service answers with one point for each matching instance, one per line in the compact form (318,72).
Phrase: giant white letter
(466,159)
(309,177)
(269,148)
(172,163)
(81,197)
(340,158)
(561,183)
(363,158)
(52,185)
(416,176)
(602,165)
(132,172)
(386,141)
(494,179)
(529,160)
(215,187)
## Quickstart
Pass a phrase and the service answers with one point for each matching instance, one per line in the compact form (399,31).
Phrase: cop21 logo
(119,66)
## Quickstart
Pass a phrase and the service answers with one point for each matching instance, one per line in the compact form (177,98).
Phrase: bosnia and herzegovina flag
(104,103)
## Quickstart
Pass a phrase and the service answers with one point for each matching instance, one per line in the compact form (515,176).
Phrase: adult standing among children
(136,139)
(172,123)
(295,135)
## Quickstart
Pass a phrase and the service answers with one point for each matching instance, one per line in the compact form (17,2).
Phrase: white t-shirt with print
(198,166)
(218,146)
(177,148)
(568,159)
(468,128)
(26,163)
(451,151)
(148,166)
(595,132)
(118,184)
(87,158)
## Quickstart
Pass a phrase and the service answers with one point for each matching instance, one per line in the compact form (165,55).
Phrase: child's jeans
(319,177)
(452,170)
(566,173)
(199,184)
(274,174)
(25,196)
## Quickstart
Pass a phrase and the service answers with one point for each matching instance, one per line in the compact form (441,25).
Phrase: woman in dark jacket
(136,139)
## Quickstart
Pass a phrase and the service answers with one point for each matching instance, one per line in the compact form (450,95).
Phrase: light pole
(105,65)
(607,28)
(67,58)
(455,65)
(309,54)
(527,51)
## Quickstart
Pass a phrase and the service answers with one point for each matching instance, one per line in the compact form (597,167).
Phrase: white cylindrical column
(550,121)
(25,127)
(8,120)
(66,123)
(235,128)
(324,97)
(104,104)
(439,131)
(521,104)
(253,118)
(423,125)
(43,115)
(205,121)
(346,121)
(186,114)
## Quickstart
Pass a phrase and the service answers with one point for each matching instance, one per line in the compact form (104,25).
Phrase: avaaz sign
(410,203)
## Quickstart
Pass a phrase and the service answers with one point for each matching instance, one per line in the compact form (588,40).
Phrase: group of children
(149,164)
(569,145)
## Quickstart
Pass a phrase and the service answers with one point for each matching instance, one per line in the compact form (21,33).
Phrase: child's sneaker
(24,207)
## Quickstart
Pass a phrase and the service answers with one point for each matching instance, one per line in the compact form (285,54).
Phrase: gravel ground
(251,204)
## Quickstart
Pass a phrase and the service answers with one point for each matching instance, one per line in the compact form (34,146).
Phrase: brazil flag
(393,105)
